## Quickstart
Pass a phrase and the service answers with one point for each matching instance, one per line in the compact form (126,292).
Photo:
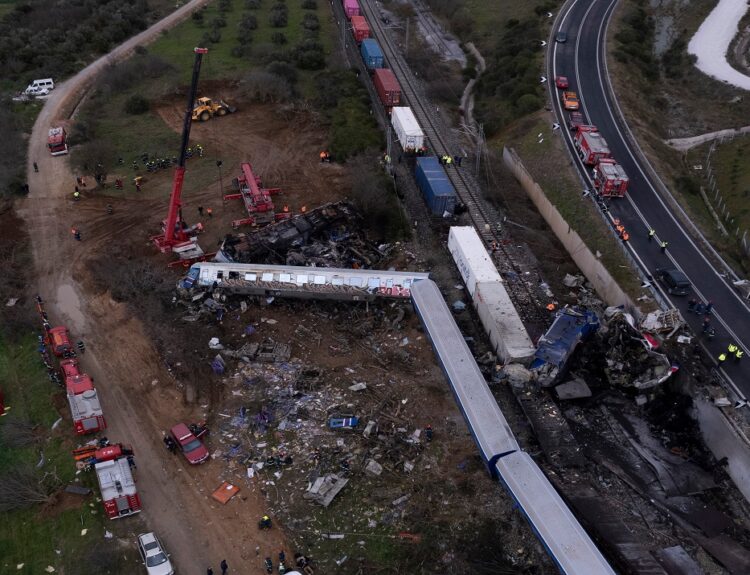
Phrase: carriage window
(234,275)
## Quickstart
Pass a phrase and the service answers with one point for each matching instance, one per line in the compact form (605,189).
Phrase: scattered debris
(324,489)
(225,492)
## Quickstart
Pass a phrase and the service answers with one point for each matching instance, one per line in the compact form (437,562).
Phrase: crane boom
(174,232)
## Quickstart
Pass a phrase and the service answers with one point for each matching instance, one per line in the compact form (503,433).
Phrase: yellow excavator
(206,108)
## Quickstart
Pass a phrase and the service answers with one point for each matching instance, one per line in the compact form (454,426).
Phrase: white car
(155,557)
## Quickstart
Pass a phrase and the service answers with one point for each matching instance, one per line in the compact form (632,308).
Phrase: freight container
(502,323)
(388,88)
(351,7)
(371,54)
(436,188)
(360,28)
(407,129)
(472,259)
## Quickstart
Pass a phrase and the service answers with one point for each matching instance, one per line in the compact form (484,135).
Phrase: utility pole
(388,148)
(480,147)
(406,46)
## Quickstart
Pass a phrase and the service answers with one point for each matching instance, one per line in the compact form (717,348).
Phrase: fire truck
(59,340)
(591,145)
(57,141)
(85,408)
(116,482)
(610,179)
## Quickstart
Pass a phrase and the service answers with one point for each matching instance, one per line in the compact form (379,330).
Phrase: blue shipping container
(371,54)
(436,188)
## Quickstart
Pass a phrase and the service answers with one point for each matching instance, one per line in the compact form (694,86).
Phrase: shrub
(283,70)
(225,5)
(310,22)
(265,87)
(278,38)
(249,22)
(279,15)
(309,5)
(218,23)
(252,4)
(136,104)
(197,17)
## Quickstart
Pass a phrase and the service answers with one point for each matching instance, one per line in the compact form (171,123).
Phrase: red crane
(176,233)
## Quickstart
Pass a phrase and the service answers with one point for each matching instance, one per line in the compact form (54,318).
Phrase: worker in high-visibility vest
(722,357)
(76,196)
(651,234)
(731,348)
(738,354)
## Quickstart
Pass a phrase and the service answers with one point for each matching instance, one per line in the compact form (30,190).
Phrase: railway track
(483,217)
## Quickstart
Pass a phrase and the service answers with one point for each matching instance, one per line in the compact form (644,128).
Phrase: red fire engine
(86,410)
(610,179)
(116,483)
(591,145)
(57,141)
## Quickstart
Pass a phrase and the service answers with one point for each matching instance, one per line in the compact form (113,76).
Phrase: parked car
(192,447)
(562,82)
(155,557)
(675,281)
(561,37)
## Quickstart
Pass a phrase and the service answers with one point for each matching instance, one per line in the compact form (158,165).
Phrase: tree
(136,104)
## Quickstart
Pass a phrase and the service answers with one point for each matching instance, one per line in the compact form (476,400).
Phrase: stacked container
(436,188)
(388,88)
(496,311)
(360,28)
(351,7)
(407,129)
(371,54)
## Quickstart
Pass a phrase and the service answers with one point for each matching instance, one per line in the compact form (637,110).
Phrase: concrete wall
(586,261)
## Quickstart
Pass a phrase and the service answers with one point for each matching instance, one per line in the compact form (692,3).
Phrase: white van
(40,87)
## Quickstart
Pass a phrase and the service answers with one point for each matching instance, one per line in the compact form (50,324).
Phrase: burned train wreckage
(327,236)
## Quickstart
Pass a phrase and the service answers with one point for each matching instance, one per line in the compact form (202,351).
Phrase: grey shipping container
(371,54)
(436,188)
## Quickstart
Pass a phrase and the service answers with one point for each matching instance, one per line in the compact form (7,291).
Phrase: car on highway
(676,282)
(570,101)
(562,82)
(561,37)
(155,557)
(190,446)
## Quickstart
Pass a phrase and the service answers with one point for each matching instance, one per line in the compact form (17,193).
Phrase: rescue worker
(722,357)
(692,303)
(135,165)
(732,349)
(323,157)
(663,246)
(651,234)
(269,565)
(210,212)
(625,236)
(738,354)
(282,556)
(36,168)
(265,522)
(109,209)
(428,432)
(223,564)
(282,568)
(81,346)
(706,324)
(76,196)
(200,211)
(303,209)
(448,160)
(709,307)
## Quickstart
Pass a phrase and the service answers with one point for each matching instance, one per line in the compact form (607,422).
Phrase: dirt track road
(138,398)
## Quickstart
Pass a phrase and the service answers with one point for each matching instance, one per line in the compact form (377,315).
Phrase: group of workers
(733,350)
(447,160)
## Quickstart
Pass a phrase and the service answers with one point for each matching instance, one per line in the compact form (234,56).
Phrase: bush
(309,55)
(249,22)
(309,5)
(283,70)
(277,18)
(225,5)
(218,23)
(278,38)
(136,104)
(311,22)
(252,4)
(263,86)
(197,17)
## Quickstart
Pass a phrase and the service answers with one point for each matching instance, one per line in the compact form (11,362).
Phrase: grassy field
(732,172)
(176,45)
(49,534)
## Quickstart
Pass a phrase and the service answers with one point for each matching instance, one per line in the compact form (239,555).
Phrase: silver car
(155,557)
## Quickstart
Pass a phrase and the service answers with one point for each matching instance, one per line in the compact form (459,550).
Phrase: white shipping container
(502,323)
(407,128)
(472,259)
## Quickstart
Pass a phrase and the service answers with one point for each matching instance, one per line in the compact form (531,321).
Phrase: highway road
(647,204)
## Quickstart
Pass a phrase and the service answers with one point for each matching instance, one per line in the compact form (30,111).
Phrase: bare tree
(23,487)
(18,433)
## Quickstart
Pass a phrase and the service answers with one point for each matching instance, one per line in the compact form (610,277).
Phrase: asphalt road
(582,60)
